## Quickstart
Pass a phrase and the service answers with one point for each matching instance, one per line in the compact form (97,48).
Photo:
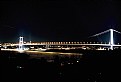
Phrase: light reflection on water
(93,66)
(51,55)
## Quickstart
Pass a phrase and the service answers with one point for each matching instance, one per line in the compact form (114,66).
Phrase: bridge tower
(111,39)
(20,43)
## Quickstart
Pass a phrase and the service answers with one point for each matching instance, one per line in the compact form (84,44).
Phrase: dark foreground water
(92,66)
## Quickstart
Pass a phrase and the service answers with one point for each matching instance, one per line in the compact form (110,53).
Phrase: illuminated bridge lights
(69,44)
(20,43)
(111,39)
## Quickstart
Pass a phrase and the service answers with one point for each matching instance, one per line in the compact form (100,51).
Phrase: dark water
(92,66)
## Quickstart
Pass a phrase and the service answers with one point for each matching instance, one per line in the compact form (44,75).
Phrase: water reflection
(91,66)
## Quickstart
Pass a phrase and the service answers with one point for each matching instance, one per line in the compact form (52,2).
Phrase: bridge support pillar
(47,46)
(111,39)
(20,43)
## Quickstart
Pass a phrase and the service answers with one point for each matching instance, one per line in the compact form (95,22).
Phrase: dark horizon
(57,20)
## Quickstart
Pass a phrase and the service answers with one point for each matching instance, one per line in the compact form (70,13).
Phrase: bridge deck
(73,44)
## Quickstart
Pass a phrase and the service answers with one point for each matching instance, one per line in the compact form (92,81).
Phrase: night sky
(52,20)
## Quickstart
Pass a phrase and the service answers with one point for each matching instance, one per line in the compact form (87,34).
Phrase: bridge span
(46,45)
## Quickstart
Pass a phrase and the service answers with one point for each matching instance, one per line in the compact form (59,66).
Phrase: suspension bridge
(48,45)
